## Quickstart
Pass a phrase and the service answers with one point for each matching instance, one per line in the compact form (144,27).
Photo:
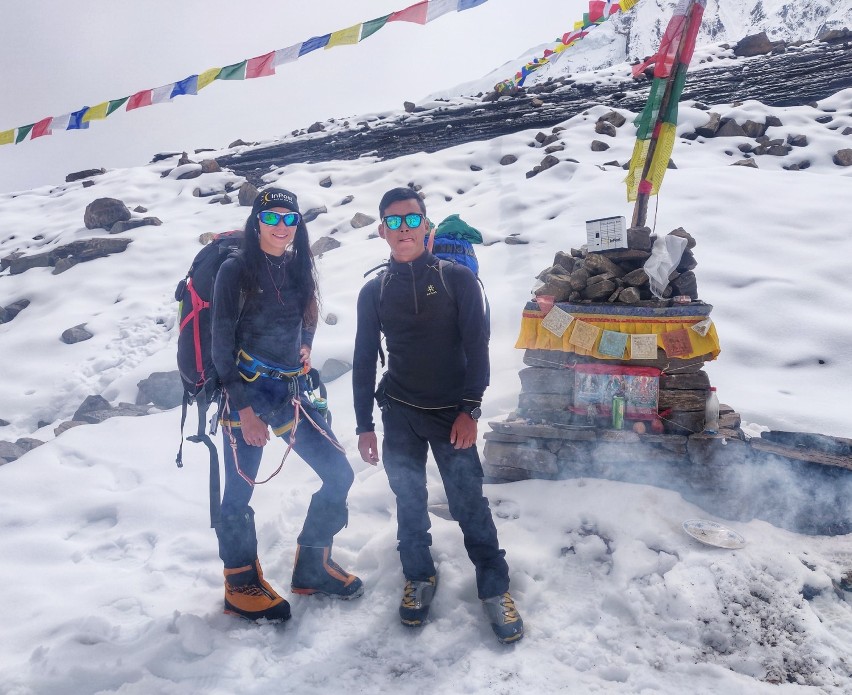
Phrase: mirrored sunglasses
(412,220)
(290,219)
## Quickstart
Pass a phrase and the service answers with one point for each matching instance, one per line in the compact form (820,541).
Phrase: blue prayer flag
(76,121)
(185,86)
(313,44)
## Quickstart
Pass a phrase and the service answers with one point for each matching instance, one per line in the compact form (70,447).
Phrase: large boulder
(754,45)
(105,212)
(163,389)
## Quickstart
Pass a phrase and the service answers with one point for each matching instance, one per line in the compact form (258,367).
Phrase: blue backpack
(454,240)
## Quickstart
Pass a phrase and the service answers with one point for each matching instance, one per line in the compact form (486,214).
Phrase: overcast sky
(58,57)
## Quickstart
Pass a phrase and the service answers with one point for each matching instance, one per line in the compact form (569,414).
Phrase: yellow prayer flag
(95,113)
(637,164)
(662,154)
(206,77)
(345,36)
(627,5)
(7,137)
(578,26)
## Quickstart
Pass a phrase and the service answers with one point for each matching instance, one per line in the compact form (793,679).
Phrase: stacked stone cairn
(545,439)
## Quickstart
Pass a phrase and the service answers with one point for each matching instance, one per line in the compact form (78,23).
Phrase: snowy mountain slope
(635,34)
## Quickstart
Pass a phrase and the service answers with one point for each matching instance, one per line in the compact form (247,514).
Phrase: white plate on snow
(711,533)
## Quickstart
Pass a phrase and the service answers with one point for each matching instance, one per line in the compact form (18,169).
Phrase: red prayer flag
(415,13)
(262,66)
(41,128)
(138,100)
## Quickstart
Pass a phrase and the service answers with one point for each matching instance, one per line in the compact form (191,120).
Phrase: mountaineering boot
(416,599)
(504,618)
(316,573)
(250,596)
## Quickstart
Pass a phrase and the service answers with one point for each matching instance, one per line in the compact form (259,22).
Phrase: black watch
(474,411)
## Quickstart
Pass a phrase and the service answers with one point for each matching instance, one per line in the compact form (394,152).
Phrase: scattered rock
(89,405)
(323,244)
(730,129)
(507,159)
(843,158)
(316,128)
(514,239)
(140,209)
(67,425)
(475,167)
(105,212)
(708,130)
(186,171)
(348,199)
(120,227)
(756,44)
(11,311)
(184,160)
(163,156)
(331,319)
(326,182)
(80,251)
(248,192)
(239,143)
(333,369)
(10,452)
(409,106)
(163,389)
(28,443)
(754,129)
(361,220)
(745,163)
(614,117)
(313,213)
(598,146)
(548,162)
(86,173)
(210,166)
(605,128)
(550,149)
(77,334)
(537,102)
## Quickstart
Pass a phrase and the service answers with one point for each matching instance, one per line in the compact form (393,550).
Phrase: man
(434,323)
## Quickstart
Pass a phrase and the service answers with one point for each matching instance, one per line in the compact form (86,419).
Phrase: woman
(264,316)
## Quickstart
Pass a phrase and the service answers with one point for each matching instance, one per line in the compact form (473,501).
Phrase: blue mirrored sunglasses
(412,220)
(291,219)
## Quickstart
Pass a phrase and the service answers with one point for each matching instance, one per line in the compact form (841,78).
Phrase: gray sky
(57,57)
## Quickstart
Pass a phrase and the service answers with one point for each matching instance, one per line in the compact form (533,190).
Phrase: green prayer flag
(648,118)
(678,81)
(116,104)
(371,27)
(237,71)
(23,131)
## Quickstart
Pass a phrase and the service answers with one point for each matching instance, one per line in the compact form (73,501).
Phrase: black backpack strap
(202,437)
(442,265)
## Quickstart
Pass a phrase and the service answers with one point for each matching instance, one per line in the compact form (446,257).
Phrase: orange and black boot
(316,573)
(250,596)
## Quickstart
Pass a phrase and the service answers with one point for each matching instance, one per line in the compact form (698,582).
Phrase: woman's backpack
(194,352)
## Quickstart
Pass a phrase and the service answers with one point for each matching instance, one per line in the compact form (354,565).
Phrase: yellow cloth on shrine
(534,336)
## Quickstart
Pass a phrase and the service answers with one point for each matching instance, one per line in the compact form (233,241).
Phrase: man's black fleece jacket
(436,336)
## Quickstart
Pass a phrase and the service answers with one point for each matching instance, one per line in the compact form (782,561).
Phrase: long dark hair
(299,265)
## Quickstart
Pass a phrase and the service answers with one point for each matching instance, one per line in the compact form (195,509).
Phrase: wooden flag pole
(640,209)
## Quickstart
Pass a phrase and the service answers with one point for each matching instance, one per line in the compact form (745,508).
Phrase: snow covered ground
(113,582)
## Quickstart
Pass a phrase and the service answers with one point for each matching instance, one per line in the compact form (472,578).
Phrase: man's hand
(255,430)
(368,447)
(463,434)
